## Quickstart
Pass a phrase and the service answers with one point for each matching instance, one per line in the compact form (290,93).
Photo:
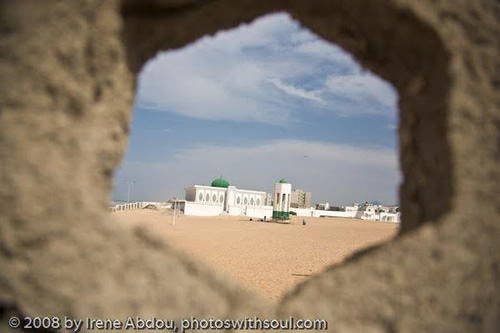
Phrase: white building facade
(223,199)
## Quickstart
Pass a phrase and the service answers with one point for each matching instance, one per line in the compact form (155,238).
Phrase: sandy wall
(69,70)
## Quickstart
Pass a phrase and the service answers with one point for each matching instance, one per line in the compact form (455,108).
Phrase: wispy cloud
(297,92)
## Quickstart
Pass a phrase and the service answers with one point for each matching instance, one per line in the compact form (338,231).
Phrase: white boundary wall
(309,212)
(133,205)
(202,209)
(260,212)
(382,217)
(390,217)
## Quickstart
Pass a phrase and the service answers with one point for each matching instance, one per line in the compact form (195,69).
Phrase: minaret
(281,206)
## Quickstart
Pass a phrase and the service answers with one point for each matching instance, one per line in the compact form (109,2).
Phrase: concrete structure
(300,199)
(365,211)
(360,212)
(281,204)
(70,68)
(134,205)
(223,199)
(322,206)
(353,209)
(368,211)
(389,217)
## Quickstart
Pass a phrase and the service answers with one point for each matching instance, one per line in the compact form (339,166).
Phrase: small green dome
(220,182)
(283,181)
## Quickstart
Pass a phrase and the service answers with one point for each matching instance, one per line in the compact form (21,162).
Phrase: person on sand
(303,221)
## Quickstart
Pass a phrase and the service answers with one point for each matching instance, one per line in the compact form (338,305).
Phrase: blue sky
(258,103)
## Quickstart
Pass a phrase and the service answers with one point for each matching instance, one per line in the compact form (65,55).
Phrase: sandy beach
(267,258)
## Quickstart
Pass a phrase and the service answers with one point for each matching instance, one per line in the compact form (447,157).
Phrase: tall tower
(281,206)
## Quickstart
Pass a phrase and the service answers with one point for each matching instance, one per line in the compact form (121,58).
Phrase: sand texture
(268,258)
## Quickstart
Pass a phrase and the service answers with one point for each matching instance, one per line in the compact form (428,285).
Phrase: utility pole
(128,192)
(175,207)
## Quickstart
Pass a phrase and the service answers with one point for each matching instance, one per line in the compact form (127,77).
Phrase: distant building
(354,208)
(365,211)
(377,212)
(220,198)
(323,206)
(300,199)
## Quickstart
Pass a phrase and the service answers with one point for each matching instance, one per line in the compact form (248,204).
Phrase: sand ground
(268,258)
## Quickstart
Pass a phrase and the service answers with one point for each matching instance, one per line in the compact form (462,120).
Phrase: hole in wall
(258,103)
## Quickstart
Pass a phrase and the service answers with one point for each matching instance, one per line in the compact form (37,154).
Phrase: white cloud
(264,31)
(214,78)
(297,92)
(226,77)
(340,174)
(363,88)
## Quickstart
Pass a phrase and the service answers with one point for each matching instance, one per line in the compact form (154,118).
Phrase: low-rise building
(366,211)
(323,206)
(220,198)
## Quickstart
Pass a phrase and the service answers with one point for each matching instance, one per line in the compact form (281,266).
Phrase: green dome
(283,181)
(220,182)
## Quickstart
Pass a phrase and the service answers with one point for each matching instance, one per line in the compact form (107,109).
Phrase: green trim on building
(281,215)
(283,181)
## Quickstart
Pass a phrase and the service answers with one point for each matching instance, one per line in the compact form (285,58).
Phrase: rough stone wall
(67,70)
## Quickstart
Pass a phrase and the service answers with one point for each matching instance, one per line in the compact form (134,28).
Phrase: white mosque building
(220,198)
